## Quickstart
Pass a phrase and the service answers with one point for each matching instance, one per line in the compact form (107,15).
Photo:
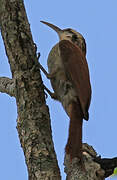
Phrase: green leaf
(115,172)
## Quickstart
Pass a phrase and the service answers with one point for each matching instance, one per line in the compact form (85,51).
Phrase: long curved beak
(57,29)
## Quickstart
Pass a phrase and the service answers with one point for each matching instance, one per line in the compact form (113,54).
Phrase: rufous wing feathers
(76,69)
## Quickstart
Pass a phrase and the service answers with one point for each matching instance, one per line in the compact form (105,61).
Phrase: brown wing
(77,72)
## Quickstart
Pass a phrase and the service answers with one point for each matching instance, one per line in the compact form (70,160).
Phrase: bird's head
(70,35)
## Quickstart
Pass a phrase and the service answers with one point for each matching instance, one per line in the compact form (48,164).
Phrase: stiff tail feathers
(74,143)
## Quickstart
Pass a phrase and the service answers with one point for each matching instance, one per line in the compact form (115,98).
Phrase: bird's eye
(68,36)
(74,37)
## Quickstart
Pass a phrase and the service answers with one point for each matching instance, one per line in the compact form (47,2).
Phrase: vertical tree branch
(33,122)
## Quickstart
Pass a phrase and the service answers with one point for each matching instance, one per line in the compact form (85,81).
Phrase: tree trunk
(33,121)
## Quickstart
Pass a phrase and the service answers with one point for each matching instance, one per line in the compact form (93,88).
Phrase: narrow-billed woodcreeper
(69,76)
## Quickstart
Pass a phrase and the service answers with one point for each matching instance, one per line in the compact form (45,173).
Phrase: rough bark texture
(7,85)
(91,169)
(95,167)
(33,122)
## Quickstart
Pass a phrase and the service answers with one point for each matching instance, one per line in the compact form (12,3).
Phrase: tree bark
(33,121)
(7,85)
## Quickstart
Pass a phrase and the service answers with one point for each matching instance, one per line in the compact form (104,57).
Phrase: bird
(70,80)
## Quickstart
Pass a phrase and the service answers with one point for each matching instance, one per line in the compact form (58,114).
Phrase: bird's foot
(52,95)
